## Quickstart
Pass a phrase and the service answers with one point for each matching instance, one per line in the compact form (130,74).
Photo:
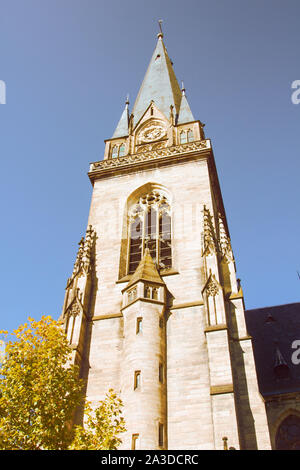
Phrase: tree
(102,425)
(40,390)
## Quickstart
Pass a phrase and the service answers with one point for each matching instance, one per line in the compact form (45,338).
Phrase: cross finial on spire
(160,34)
(182,89)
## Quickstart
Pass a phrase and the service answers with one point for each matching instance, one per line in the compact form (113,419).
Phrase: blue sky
(68,65)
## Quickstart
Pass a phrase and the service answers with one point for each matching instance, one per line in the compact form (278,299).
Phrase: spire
(185,113)
(159,84)
(122,127)
(146,271)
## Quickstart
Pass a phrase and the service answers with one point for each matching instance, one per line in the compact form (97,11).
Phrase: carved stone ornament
(224,242)
(84,255)
(209,236)
(212,288)
(151,133)
(150,155)
(152,146)
(75,309)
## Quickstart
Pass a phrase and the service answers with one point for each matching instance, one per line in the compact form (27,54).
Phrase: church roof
(160,85)
(273,331)
(146,271)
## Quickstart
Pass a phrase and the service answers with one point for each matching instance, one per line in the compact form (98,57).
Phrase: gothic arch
(287,431)
(148,190)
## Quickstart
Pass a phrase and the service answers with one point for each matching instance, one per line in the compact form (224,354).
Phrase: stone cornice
(111,166)
(105,317)
(210,328)
(281,396)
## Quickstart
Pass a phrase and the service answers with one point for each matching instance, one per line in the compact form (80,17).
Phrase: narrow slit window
(161,373)
(139,325)
(135,441)
(137,379)
(160,435)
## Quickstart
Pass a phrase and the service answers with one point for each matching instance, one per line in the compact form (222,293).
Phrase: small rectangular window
(161,373)
(135,441)
(139,325)
(160,435)
(137,379)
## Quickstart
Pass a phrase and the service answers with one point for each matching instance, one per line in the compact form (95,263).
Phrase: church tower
(153,308)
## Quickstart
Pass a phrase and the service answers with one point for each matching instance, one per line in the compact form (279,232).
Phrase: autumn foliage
(40,390)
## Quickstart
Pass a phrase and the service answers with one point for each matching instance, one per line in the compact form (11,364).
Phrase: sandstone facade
(158,315)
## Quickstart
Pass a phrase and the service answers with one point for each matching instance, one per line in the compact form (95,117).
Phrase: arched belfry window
(190,136)
(183,139)
(150,226)
(114,152)
(186,136)
(118,151)
(122,150)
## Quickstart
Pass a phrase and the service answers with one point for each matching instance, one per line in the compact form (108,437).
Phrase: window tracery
(186,136)
(288,434)
(150,226)
(118,151)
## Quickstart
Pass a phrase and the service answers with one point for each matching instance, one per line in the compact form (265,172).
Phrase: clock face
(152,133)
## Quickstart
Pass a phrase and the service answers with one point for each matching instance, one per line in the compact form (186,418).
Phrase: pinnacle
(146,271)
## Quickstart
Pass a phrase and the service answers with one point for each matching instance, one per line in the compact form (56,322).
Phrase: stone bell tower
(153,308)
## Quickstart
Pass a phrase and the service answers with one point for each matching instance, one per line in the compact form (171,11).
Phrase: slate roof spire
(185,113)
(159,85)
(122,127)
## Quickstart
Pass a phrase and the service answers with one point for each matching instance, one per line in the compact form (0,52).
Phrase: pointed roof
(159,84)
(122,127)
(146,271)
(185,113)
